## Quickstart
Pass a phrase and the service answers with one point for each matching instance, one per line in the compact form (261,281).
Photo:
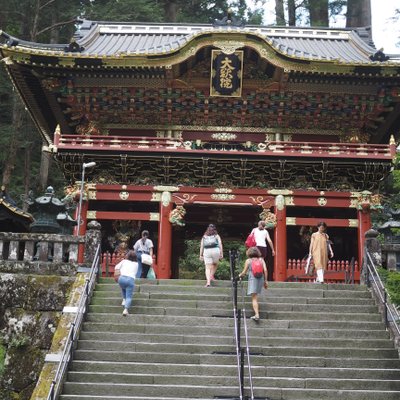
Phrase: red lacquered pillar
(164,251)
(364,224)
(280,237)
(82,228)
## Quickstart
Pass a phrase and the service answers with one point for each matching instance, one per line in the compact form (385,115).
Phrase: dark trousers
(270,265)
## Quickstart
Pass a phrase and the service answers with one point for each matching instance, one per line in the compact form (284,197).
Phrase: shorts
(212,255)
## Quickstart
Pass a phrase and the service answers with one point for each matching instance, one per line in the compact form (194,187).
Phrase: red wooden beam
(331,222)
(123,215)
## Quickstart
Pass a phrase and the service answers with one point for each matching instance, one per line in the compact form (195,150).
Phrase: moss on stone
(2,356)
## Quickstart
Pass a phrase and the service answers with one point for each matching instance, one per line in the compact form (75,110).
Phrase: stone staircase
(314,341)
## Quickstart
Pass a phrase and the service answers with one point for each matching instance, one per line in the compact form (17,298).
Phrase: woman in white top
(211,252)
(143,245)
(128,269)
(261,236)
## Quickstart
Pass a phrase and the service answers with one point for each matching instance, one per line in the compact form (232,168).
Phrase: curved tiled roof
(109,39)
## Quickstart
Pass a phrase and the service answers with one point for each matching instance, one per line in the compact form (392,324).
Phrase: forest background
(25,169)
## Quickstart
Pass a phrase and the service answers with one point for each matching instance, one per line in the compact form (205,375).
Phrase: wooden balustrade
(110,260)
(298,149)
(337,270)
(39,247)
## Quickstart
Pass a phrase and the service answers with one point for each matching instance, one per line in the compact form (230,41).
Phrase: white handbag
(309,270)
(147,259)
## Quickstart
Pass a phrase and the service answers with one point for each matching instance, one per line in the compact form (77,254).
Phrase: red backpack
(257,268)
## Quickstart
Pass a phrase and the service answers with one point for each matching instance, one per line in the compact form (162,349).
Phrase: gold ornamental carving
(177,215)
(280,202)
(224,136)
(229,46)
(223,197)
(290,220)
(91,215)
(353,223)
(268,217)
(289,200)
(166,198)
(155,196)
(366,201)
(162,188)
(283,192)
(322,201)
(154,216)
(222,190)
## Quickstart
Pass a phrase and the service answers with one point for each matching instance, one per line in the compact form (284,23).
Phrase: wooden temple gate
(297,121)
(169,204)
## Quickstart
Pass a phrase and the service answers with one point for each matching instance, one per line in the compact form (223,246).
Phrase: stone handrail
(39,247)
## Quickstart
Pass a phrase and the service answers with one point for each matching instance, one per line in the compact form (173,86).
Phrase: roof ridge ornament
(379,56)
(74,47)
(229,20)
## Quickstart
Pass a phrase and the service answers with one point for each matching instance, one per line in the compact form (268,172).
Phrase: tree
(280,12)
(358,13)
(33,20)
(318,10)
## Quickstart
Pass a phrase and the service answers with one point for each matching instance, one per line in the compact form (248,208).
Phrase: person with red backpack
(256,269)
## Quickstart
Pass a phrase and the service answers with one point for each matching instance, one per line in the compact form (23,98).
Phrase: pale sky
(385,29)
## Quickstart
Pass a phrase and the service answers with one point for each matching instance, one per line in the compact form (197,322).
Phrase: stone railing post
(92,240)
(374,248)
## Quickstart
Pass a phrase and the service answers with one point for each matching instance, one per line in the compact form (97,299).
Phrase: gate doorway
(233,222)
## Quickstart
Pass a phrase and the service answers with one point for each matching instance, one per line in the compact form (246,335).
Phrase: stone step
(227,283)
(184,348)
(231,380)
(229,340)
(89,397)
(176,320)
(231,370)
(217,312)
(230,359)
(313,342)
(189,392)
(104,296)
(254,331)
(272,306)
(311,291)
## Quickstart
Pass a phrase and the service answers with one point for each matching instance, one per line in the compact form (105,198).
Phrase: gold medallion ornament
(124,194)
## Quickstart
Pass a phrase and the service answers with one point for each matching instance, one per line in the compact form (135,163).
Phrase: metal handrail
(238,314)
(246,336)
(236,319)
(75,328)
(384,297)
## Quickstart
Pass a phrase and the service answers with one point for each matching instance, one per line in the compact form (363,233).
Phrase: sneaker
(125,312)
(123,302)
(207,285)
(254,318)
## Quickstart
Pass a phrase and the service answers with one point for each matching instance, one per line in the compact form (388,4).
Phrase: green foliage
(19,341)
(391,280)
(191,267)
(123,10)
(2,356)
(185,11)
(391,195)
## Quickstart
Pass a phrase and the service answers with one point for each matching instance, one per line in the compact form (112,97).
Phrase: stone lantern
(391,247)
(50,213)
